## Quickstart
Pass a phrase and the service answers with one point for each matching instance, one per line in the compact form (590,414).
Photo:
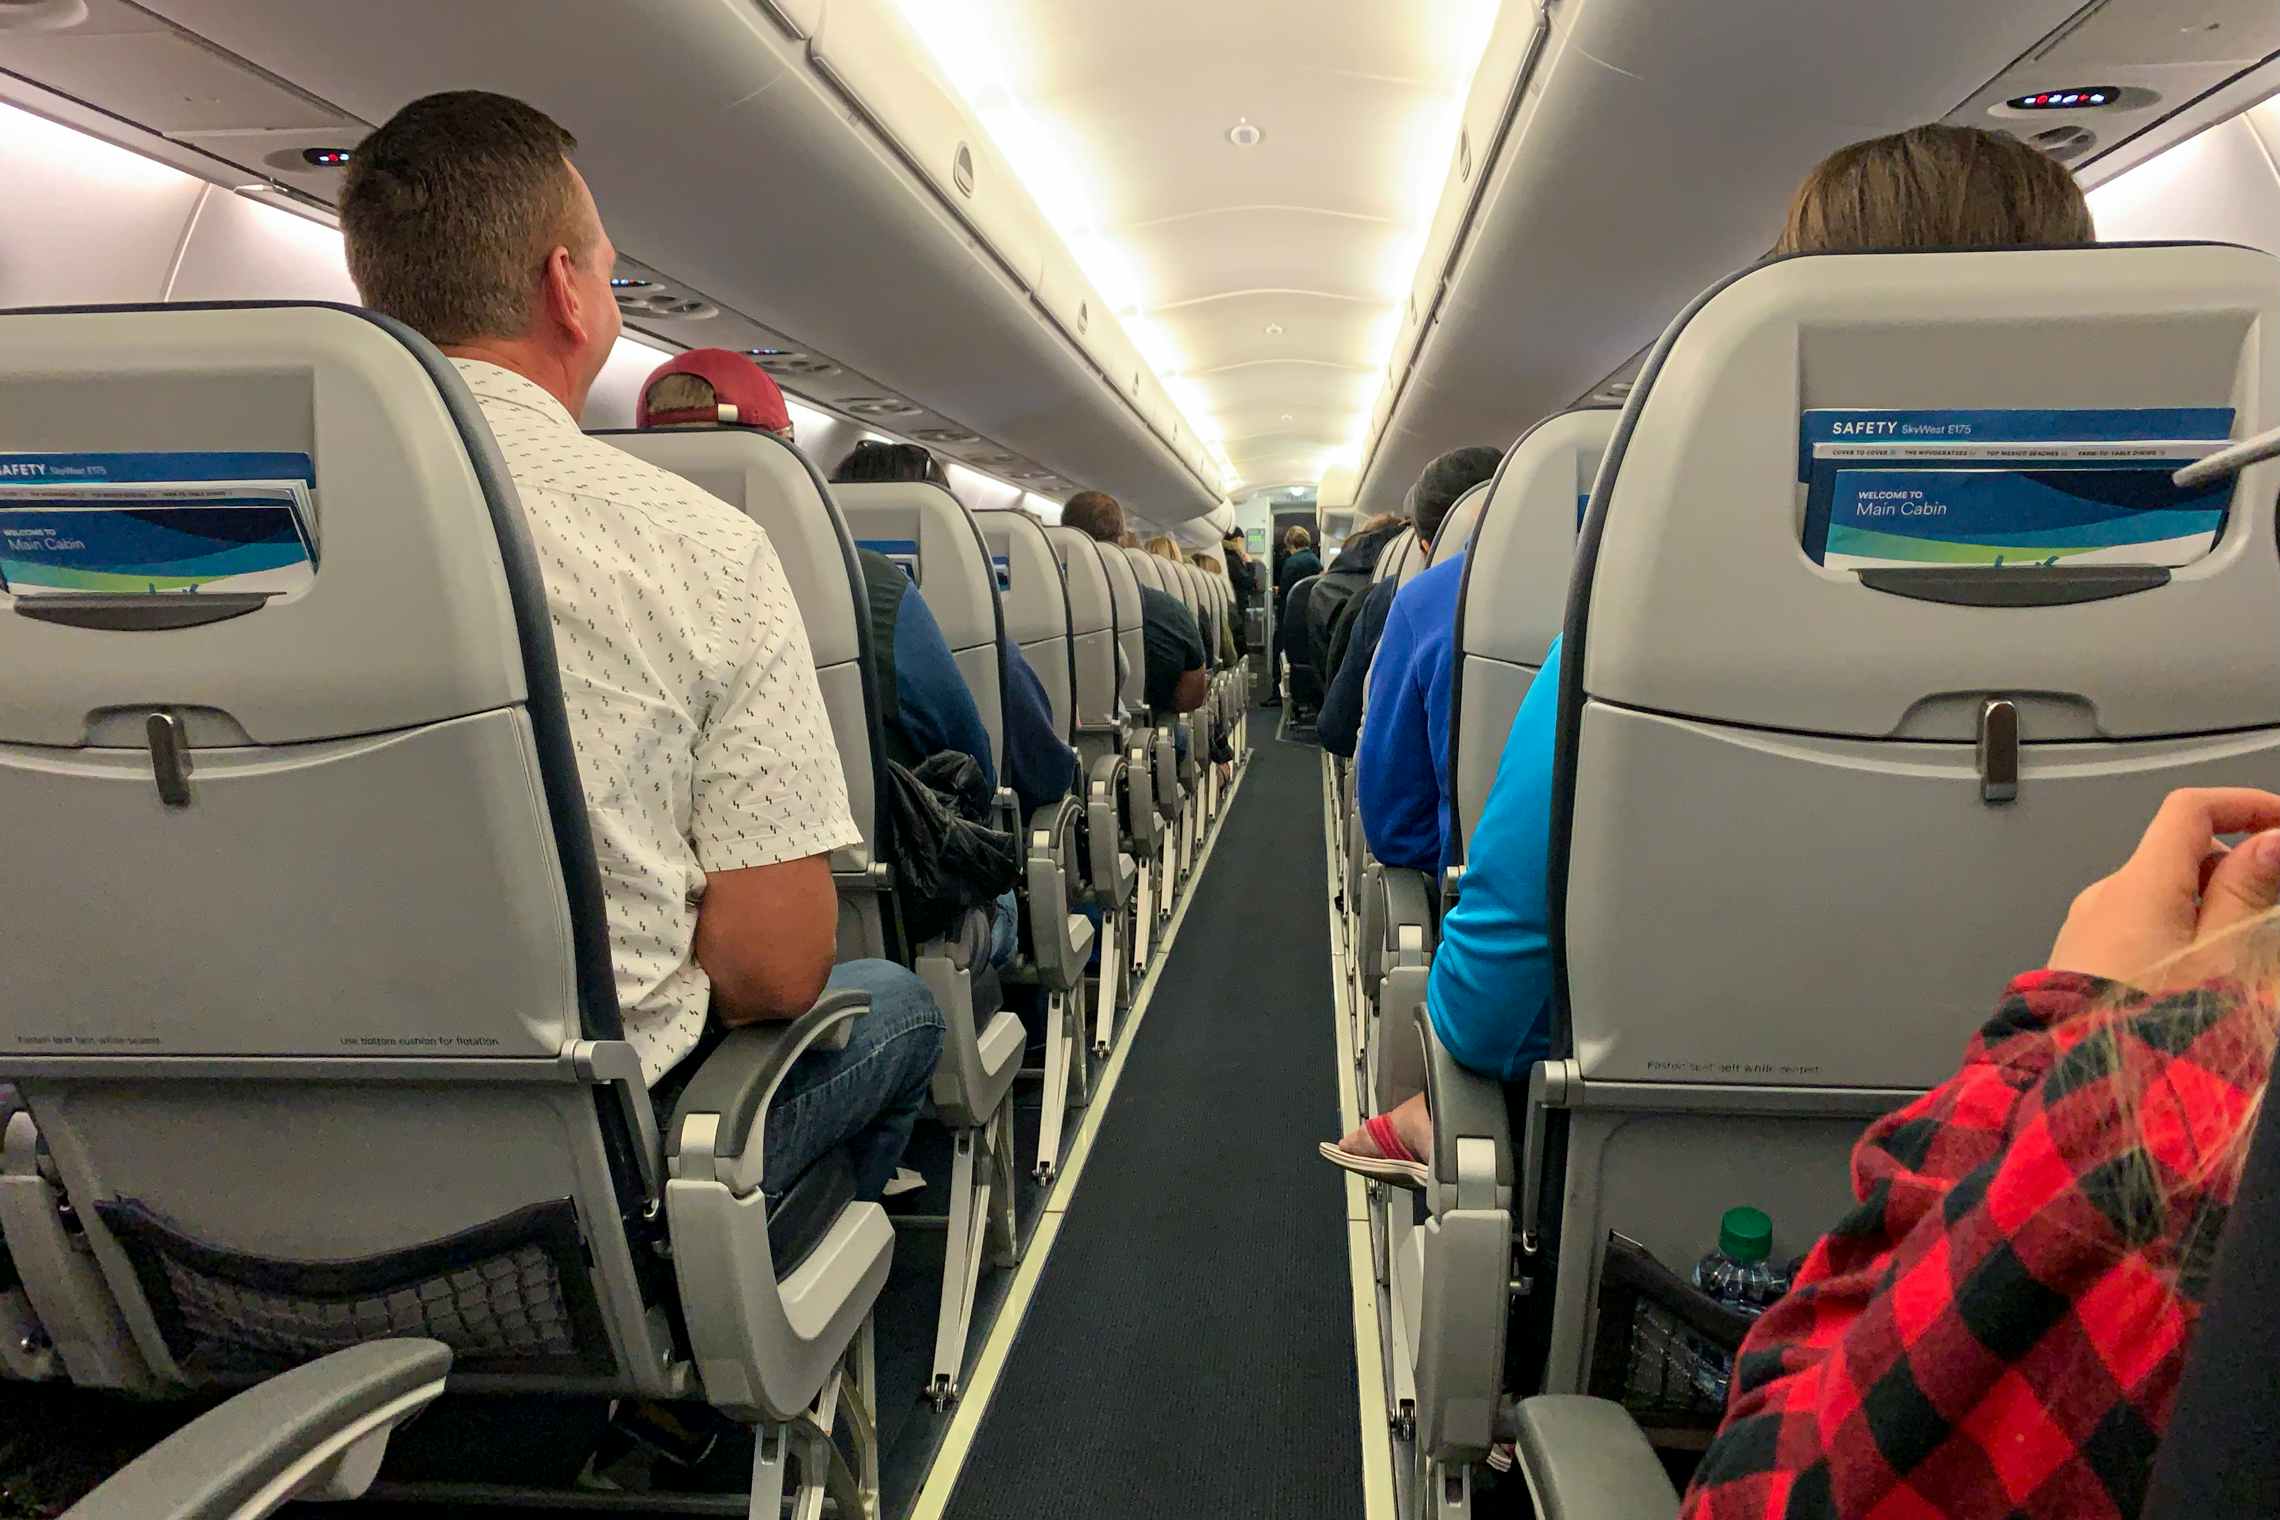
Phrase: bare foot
(1412,1123)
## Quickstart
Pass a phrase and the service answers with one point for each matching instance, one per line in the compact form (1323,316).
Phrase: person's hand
(2179,892)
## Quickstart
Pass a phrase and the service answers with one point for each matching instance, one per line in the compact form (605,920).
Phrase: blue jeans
(865,1097)
(1005,931)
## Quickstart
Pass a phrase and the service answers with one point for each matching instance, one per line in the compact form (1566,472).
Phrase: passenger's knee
(900,1002)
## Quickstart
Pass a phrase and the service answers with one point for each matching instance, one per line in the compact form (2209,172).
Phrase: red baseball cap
(736,381)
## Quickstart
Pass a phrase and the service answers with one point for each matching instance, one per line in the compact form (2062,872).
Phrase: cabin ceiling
(1263,282)
(1275,290)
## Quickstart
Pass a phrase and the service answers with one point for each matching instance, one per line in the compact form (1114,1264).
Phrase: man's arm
(1039,767)
(1194,687)
(770,805)
(1338,725)
(1394,787)
(766,937)
(938,711)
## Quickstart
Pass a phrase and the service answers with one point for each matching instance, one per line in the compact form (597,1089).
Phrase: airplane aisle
(1190,1347)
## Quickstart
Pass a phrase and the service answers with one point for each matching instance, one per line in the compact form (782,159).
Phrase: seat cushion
(803,1215)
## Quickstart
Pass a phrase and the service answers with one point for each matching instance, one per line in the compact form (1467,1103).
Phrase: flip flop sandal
(1395,1163)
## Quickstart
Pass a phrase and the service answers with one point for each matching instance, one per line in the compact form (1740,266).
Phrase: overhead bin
(866,46)
(721,157)
(1588,236)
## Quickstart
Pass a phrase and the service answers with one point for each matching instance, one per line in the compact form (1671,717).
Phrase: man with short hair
(713,787)
(1177,680)
(1299,562)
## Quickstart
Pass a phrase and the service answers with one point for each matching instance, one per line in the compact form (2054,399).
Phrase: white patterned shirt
(701,736)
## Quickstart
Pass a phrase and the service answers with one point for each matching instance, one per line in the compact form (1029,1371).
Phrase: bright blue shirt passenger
(1401,777)
(1490,995)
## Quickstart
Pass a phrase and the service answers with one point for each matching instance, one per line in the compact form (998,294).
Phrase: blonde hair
(1296,538)
(1163,548)
(1209,565)
(2175,1020)
(1936,186)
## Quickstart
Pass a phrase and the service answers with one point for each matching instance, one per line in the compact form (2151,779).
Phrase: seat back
(1131,636)
(1149,569)
(1456,528)
(1791,771)
(1395,557)
(1036,603)
(312,1001)
(775,485)
(923,527)
(1092,626)
(1515,591)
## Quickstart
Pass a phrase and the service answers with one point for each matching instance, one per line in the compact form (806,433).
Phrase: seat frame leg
(1080,1046)
(961,1265)
(771,1459)
(1144,921)
(1108,995)
(863,1395)
(1060,1052)
(1001,1205)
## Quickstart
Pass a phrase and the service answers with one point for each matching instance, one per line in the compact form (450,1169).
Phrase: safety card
(2009,489)
(155,524)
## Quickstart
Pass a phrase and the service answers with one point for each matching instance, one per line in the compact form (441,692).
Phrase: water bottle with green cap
(1740,1273)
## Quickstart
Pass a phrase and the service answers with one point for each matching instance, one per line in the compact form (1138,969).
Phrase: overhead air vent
(640,296)
(962,170)
(798,364)
(878,406)
(997,461)
(945,435)
(2066,143)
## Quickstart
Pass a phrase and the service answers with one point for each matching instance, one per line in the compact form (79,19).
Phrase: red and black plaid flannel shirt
(1997,1330)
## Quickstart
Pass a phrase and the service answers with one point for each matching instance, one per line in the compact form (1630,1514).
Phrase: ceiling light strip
(886,136)
(1485,161)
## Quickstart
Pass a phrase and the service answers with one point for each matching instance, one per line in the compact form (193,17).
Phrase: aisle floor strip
(957,1443)
(1369,1353)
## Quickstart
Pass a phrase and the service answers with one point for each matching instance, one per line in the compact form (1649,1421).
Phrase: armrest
(1586,1459)
(317,1431)
(1045,874)
(1472,1127)
(1166,765)
(1140,816)
(1103,837)
(1408,901)
(734,1086)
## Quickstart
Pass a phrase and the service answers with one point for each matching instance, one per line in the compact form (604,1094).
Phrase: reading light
(1245,135)
(325,158)
(626,282)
